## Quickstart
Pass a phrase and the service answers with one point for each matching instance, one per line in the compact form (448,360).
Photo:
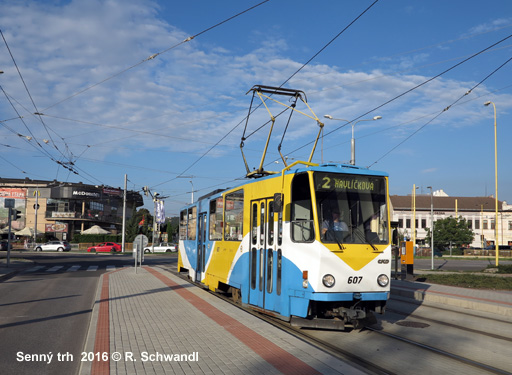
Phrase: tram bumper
(318,323)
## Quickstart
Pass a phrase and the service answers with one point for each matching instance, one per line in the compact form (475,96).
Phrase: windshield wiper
(363,238)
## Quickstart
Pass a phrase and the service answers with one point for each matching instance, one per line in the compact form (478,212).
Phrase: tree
(140,223)
(450,230)
(172,228)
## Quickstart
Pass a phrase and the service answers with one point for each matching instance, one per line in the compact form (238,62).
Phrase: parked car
(105,247)
(53,246)
(163,247)
(3,246)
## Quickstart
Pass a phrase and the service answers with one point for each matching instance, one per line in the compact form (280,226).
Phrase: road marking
(73,268)
(111,268)
(92,268)
(54,268)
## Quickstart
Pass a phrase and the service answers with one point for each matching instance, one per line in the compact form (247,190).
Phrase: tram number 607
(355,279)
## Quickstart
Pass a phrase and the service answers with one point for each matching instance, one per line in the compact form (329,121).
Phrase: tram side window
(234,216)
(192,217)
(302,221)
(216,207)
(183,225)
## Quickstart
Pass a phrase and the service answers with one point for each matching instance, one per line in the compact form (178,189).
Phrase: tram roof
(330,168)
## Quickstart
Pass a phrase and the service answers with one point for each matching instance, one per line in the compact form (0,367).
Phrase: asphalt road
(456,264)
(45,311)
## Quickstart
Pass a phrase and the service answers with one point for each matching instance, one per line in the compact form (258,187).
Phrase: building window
(408,223)
(484,225)
(477,224)
(423,223)
(400,223)
(470,224)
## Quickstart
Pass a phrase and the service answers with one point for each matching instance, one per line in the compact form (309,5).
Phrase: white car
(54,245)
(164,247)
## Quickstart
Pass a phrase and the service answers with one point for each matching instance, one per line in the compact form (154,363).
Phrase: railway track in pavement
(429,339)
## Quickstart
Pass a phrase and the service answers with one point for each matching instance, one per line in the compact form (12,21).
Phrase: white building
(479,212)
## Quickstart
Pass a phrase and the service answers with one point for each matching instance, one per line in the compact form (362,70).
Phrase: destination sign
(338,182)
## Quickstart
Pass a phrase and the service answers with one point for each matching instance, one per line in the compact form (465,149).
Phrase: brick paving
(160,324)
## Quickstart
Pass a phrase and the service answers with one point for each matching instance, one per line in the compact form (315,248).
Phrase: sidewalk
(153,322)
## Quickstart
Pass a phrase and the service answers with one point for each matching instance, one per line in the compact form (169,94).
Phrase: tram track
(354,350)
(456,357)
(458,326)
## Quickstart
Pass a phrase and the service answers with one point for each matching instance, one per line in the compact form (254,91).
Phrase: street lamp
(431,225)
(414,187)
(353,141)
(497,247)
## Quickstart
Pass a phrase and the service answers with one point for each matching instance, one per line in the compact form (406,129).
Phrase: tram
(309,244)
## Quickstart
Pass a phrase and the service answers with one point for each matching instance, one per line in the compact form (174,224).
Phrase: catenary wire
(295,73)
(155,55)
(440,113)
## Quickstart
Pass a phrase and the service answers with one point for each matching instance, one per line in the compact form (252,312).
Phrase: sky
(122,89)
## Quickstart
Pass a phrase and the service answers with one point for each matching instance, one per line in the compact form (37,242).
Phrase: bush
(506,268)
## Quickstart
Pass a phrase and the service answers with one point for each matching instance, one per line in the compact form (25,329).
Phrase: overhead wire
(440,113)
(27,90)
(408,91)
(153,56)
(288,79)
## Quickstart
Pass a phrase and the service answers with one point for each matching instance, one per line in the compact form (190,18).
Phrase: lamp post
(192,192)
(353,141)
(496,246)
(155,200)
(431,225)
(414,187)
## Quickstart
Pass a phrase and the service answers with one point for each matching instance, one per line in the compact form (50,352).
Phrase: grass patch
(507,268)
(468,281)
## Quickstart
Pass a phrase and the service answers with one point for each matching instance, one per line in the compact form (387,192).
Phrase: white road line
(54,268)
(111,268)
(73,268)
(92,268)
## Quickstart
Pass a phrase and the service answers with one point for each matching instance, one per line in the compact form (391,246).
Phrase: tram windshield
(351,208)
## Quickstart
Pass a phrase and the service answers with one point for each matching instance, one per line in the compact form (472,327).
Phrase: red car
(105,247)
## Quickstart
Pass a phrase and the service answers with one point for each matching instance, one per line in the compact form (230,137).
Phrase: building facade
(479,212)
(62,209)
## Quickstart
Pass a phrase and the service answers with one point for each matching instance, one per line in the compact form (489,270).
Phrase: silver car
(163,247)
(54,246)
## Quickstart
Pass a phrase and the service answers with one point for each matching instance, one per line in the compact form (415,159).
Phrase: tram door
(262,272)
(201,246)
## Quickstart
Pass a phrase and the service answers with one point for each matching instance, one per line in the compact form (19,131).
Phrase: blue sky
(179,117)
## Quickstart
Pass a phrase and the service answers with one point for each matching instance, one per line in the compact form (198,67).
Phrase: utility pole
(123,241)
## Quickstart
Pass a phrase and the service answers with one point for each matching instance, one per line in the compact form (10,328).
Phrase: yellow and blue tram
(271,244)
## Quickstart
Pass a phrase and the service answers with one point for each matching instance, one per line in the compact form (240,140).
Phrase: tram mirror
(278,202)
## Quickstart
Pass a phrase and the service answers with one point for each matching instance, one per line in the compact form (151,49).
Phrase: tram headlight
(328,280)
(383,280)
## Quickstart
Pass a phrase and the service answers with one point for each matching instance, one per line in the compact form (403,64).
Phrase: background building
(62,209)
(478,211)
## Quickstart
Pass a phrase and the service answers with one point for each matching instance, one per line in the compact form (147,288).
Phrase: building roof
(469,204)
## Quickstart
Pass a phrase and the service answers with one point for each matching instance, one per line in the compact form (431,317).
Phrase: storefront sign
(56,228)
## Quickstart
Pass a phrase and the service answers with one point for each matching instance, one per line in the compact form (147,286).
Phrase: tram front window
(351,208)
